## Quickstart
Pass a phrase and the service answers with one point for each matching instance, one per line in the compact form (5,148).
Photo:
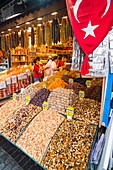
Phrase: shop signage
(45,106)
(81,94)
(88,83)
(70,81)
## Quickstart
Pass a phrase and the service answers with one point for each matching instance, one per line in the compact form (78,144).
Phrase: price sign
(45,79)
(54,73)
(14,79)
(70,81)
(60,68)
(14,96)
(2,85)
(88,83)
(78,75)
(69,112)
(27,100)
(65,74)
(8,81)
(81,94)
(32,84)
(44,86)
(45,106)
(60,87)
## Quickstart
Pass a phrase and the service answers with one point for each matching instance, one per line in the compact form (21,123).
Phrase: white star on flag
(89,30)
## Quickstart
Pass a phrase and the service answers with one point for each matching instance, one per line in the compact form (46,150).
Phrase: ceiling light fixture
(12,16)
(2,32)
(54,13)
(27,23)
(50,21)
(39,19)
(39,25)
(64,17)
(9,29)
(17,26)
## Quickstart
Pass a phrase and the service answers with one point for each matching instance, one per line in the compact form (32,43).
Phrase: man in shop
(47,68)
(54,65)
(37,70)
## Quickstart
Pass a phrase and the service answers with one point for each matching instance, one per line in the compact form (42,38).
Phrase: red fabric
(61,63)
(85,66)
(36,71)
(97,14)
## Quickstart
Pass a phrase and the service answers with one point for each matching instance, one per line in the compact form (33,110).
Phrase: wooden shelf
(19,61)
(19,54)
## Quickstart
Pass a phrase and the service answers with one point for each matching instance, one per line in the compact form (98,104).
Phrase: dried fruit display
(66,78)
(26,39)
(60,99)
(70,147)
(57,83)
(43,33)
(87,110)
(9,41)
(16,39)
(32,36)
(41,96)
(38,36)
(38,134)
(61,73)
(2,43)
(22,38)
(48,38)
(76,87)
(96,82)
(16,123)
(12,41)
(30,91)
(55,31)
(64,30)
(73,73)
(94,92)
(8,108)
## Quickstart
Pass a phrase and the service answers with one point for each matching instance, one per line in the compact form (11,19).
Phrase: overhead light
(12,16)
(27,23)
(2,32)
(9,29)
(39,19)
(39,25)
(54,13)
(60,24)
(17,26)
(50,21)
(64,17)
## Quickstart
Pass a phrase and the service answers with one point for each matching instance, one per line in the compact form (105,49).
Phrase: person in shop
(62,62)
(47,68)
(37,70)
(54,65)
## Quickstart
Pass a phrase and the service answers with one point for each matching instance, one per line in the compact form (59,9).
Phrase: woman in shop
(54,65)
(47,68)
(37,70)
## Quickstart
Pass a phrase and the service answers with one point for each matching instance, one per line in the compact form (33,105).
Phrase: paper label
(81,94)
(8,81)
(14,79)
(2,85)
(14,96)
(70,81)
(25,76)
(88,83)
(70,111)
(54,73)
(78,75)
(45,79)
(27,100)
(32,84)
(60,68)
(45,106)
(44,86)
(65,74)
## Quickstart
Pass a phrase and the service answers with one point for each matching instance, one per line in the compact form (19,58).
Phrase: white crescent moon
(107,8)
(77,4)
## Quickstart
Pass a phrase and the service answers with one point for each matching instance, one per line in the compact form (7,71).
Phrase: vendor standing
(37,70)
(54,65)
(47,68)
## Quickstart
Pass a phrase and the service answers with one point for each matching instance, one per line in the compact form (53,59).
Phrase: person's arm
(48,65)
(54,67)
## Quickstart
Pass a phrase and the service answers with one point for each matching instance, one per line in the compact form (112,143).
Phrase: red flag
(91,20)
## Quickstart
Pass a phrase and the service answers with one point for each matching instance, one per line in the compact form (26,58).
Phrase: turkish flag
(91,21)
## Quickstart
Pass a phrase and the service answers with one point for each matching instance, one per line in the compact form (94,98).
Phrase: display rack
(18,59)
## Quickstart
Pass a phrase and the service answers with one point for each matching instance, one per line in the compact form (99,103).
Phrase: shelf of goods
(14,79)
(48,136)
(18,59)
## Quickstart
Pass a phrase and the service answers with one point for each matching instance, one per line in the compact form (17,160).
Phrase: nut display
(8,108)
(56,84)
(40,97)
(96,82)
(16,123)
(30,91)
(66,78)
(60,99)
(76,87)
(87,110)
(94,92)
(70,147)
(38,134)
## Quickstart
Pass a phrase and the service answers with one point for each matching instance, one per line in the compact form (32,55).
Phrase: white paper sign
(14,79)
(8,81)
(2,85)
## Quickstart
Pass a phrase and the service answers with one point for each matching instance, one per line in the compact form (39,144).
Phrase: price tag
(25,76)
(32,84)
(14,96)
(70,81)
(65,74)
(8,81)
(54,73)
(88,83)
(19,77)
(2,85)
(44,86)
(81,94)
(45,79)
(78,75)
(14,79)
(27,100)
(60,68)
(45,106)
(69,112)
(60,87)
